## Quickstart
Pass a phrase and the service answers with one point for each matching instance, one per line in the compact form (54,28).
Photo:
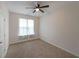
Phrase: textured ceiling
(19,6)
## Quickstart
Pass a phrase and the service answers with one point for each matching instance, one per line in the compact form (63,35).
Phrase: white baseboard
(19,41)
(77,55)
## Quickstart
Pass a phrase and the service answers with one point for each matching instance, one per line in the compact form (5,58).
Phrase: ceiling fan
(39,8)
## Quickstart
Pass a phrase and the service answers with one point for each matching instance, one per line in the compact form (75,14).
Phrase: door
(1,35)
(4,34)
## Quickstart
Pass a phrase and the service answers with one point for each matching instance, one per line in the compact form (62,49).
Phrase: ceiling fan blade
(46,6)
(34,11)
(41,10)
(38,5)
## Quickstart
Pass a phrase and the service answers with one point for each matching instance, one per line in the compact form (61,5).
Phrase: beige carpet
(36,49)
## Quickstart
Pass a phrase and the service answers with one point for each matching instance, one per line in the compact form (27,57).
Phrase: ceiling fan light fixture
(37,9)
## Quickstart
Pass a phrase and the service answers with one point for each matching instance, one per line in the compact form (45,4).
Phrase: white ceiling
(19,6)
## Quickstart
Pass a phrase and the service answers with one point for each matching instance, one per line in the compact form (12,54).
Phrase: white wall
(61,28)
(13,27)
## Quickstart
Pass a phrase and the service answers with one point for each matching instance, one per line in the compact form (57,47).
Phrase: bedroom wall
(61,28)
(13,28)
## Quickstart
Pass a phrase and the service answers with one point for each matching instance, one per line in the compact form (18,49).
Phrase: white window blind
(26,27)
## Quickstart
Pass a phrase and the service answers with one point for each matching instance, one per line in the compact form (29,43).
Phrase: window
(26,27)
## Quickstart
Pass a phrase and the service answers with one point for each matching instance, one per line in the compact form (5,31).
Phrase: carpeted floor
(36,49)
